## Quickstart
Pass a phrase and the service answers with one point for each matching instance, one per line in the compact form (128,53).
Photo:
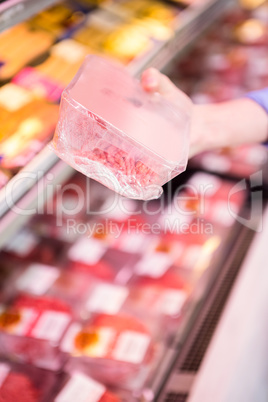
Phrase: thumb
(153,81)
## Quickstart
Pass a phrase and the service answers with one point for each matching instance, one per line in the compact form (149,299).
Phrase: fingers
(150,80)
(153,81)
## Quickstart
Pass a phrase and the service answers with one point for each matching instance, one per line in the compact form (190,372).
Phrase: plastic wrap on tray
(60,20)
(104,297)
(114,348)
(69,213)
(86,255)
(237,162)
(39,84)
(63,62)
(26,245)
(80,387)
(14,57)
(24,383)
(93,256)
(195,249)
(206,198)
(4,177)
(117,222)
(111,130)
(156,19)
(162,296)
(223,198)
(46,280)
(22,246)
(175,249)
(27,125)
(31,329)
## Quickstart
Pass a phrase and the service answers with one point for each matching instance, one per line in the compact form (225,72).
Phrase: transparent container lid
(110,129)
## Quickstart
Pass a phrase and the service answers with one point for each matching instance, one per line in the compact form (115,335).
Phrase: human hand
(226,124)
(153,81)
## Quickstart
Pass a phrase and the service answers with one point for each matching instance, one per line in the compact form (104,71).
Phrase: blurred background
(108,299)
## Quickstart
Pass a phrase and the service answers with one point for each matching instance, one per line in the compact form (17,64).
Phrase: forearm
(228,124)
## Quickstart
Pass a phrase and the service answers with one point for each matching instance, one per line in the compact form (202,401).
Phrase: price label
(37,279)
(13,97)
(51,326)
(131,347)
(81,388)
(87,251)
(153,265)
(107,298)
(4,371)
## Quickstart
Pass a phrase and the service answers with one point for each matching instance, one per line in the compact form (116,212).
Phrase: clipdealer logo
(50,200)
(254,220)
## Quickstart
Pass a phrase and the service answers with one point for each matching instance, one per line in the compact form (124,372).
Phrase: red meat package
(165,295)
(113,348)
(24,383)
(110,129)
(80,388)
(31,329)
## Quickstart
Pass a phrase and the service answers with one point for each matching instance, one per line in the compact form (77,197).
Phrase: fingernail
(151,81)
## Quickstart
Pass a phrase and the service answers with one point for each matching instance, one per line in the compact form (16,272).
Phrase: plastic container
(24,383)
(104,297)
(92,256)
(211,198)
(236,162)
(25,125)
(153,264)
(160,296)
(3,179)
(110,129)
(80,387)
(87,255)
(22,246)
(31,329)
(118,350)
(46,280)
(187,250)
(26,245)
(83,292)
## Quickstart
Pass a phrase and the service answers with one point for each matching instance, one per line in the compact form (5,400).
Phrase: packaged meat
(40,85)
(31,329)
(160,296)
(27,125)
(104,297)
(13,57)
(24,383)
(46,280)
(92,256)
(80,387)
(210,198)
(113,348)
(111,130)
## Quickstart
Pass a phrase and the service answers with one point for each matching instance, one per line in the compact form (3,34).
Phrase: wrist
(206,130)
(227,124)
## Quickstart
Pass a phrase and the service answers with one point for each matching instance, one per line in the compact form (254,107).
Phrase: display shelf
(190,354)
(235,366)
(170,377)
(27,178)
(14,11)
(28,191)
(191,23)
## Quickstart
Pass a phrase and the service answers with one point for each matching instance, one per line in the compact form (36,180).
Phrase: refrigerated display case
(187,26)
(117,302)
